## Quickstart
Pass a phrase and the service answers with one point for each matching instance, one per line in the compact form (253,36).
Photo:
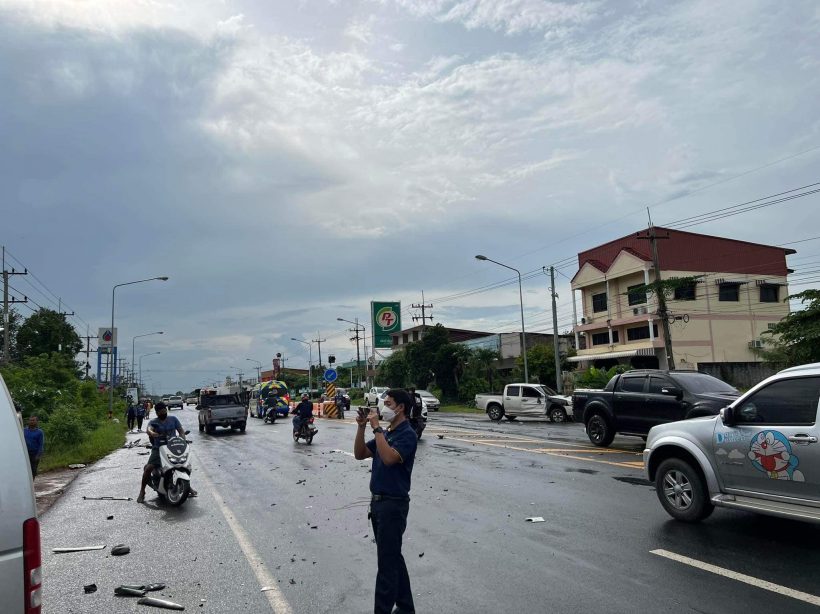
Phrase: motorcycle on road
(172,478)
(306,431)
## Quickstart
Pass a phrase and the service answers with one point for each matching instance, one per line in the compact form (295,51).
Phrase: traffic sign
(331,375)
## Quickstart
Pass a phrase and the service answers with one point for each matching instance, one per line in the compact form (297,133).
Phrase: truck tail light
(32,566)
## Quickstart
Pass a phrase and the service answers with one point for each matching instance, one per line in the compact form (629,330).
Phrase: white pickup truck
(531,400)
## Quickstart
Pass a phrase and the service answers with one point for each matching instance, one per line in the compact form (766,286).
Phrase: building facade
(725,294)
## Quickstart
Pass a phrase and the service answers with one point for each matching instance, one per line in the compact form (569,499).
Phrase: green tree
(46,332)
(392,371)
(795,340)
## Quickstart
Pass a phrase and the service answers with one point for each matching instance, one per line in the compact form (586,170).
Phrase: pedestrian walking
(141,411)
(393,452)
(131,416)
(35,442)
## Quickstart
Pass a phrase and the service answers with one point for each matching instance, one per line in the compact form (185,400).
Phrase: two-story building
(728,293)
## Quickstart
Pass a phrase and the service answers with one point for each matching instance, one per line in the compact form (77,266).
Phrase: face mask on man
(388,414)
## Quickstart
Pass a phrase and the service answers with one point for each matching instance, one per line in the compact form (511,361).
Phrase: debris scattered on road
(145,587)
(292,581)
(106,498)
(314,527)
(90,588)
(421,555)
(129,591)
(77,466)
(77,549)
(109,517)
(301,481)
(132,444)
(441,436)
(120,550)
(536,519)
(266,588)
(160,603)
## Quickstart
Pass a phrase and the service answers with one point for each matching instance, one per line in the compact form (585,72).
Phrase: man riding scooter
(161,426)
(303,412)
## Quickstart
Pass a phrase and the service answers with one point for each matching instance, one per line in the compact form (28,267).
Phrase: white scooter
(172,479)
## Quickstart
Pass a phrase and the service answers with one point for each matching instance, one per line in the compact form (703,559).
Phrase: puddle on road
(633,481)
(586,471)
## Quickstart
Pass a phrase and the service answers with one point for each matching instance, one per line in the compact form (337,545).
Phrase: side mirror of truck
(672,391)
(727,416)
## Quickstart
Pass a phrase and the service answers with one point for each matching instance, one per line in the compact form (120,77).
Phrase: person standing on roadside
(35,442)
(131,416)
(393,452)
(140,412)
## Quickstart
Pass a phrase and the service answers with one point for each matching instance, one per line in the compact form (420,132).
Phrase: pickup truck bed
(221,410)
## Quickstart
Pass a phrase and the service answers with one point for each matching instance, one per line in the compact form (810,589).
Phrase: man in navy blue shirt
(35,442)
(393,452)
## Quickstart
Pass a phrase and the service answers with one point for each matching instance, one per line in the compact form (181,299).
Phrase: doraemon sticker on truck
(771,453)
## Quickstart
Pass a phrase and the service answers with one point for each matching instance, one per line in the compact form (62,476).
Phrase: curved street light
(521,300)
(143,356)
(159,332)
(111,381)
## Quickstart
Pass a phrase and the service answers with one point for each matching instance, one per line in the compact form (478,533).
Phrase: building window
(729,292)
(404,338)
(769,293)
(640,332)
(599,302)
(636,294)
(603,338)
(686,292)
(415,335)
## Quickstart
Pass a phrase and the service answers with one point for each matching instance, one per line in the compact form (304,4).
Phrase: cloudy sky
(285,163)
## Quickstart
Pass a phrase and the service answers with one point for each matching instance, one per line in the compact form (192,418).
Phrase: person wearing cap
(393,452)
(303,413)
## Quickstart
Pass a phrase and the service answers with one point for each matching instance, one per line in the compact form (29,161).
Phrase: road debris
(160,603)
(77,549)
(107,498)
(120,550)
(90,588)
(77,466)
(536,519)
(109,517)
(145,587)
(129,591)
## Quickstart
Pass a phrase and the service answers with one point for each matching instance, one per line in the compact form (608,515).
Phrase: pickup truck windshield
(216,401)
(547,391)
(700,383)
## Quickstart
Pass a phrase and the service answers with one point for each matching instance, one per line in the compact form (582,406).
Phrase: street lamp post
(258,369)
(143,356)
(310,363)
(111,370)
(159,332)
(358,356)
(521,300)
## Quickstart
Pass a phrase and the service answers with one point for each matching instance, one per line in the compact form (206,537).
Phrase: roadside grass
(98,443)
(459,409)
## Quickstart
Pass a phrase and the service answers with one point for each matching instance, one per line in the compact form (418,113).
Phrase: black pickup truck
(635,401)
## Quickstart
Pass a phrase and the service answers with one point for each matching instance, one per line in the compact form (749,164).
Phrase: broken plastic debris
(266,588)
(145,587)
(536,519)
(120,549)
(76,466)
(90,588)
(160,603)
(129,591)
(106,498)
(77,549)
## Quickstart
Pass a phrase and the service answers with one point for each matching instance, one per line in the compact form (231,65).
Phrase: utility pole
(6,302)
(554,296)
(319,342)
(663,313)
(88,339)
(62,313)
(423,317)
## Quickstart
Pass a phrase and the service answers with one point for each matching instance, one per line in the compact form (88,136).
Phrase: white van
(20,571)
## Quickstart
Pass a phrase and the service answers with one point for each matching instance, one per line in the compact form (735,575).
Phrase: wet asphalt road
(272,513)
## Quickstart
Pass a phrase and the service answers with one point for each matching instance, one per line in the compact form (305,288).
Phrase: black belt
(388,498)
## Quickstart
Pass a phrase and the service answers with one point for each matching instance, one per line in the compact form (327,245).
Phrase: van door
(774,448)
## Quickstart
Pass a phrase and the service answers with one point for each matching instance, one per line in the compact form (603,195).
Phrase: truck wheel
(558,414)
(209,429)
(600,431)
(201,427)
(495,412)
(681,491)
(242,426)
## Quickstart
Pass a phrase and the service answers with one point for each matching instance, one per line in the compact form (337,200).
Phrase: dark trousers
(34,460)
(139,421)
(131,420)
(389,518)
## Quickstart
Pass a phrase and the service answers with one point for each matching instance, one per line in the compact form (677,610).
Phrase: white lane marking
(275,598)
(344,452)
(750,580)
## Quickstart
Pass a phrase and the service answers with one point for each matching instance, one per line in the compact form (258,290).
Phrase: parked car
(761,453)
(175,401)
(635,401)
(191,400)
(533,400)
(371,397)
(221,410)
(20,564)
(383,396)
(433,404)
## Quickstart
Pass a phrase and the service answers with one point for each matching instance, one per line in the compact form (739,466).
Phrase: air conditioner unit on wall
(637,311)
(755,344)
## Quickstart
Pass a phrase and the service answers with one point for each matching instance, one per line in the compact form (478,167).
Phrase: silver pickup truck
(531,400)
(761,454)
(221,410)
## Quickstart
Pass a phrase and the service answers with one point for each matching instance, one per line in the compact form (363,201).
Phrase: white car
(383,396)
(433,404)
(20,571)
(371,397)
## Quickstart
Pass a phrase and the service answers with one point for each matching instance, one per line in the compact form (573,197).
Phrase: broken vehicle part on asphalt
(77,549)
(161,603)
